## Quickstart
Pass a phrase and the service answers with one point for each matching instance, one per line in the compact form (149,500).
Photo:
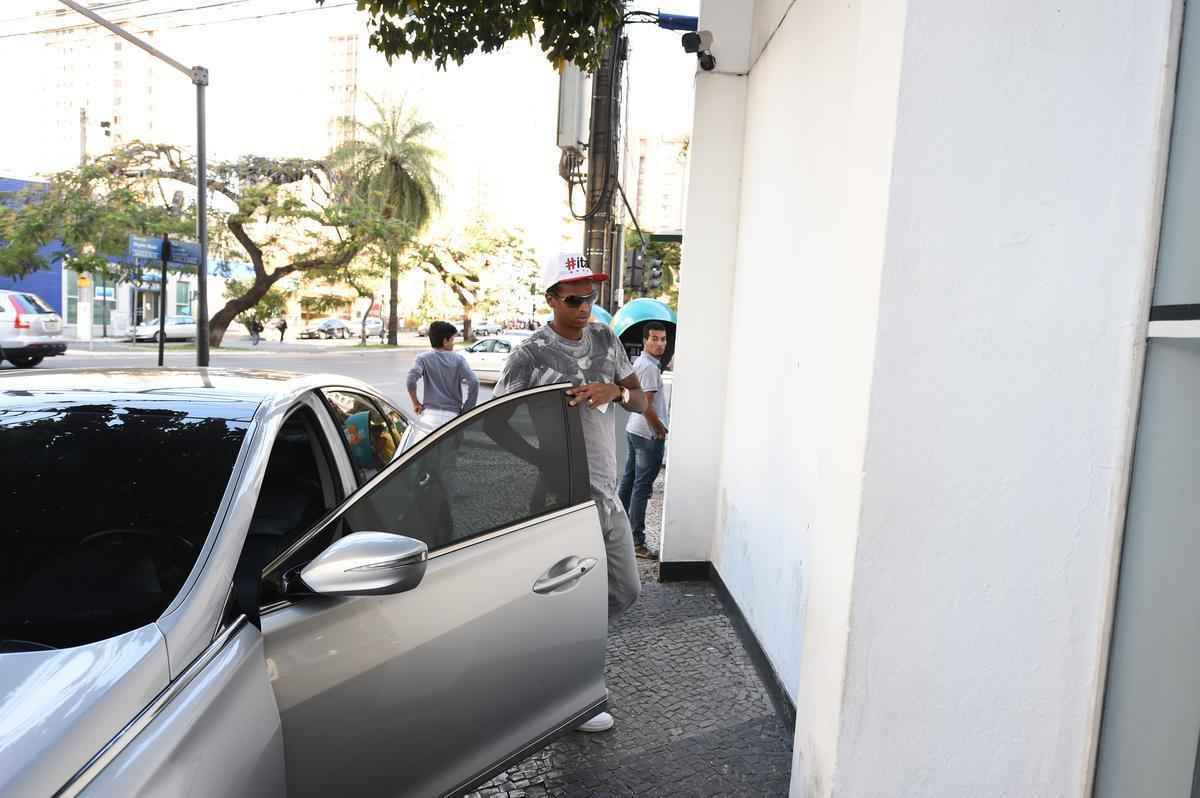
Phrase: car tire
(154,338)
(25,362)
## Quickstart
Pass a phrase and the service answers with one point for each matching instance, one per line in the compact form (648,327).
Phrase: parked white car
(30,330)
(178,327)
(487,357)
(374,328)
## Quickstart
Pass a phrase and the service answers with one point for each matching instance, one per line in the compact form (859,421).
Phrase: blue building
(48,284)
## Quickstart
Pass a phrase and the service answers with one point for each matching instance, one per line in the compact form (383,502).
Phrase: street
(385,369)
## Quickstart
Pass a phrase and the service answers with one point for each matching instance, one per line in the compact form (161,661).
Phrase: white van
(29,329)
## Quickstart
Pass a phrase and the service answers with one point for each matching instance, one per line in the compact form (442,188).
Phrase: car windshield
(105,510)
(31,303)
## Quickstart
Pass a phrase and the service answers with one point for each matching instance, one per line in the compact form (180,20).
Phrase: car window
(503,347)
(31,303)
(365,431)
(506,465)
(397,419)
(484,346)
(106,509)
(298,488)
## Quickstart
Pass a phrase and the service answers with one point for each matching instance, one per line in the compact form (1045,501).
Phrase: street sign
(183,253)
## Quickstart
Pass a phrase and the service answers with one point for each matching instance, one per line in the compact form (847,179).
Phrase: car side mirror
(367,564)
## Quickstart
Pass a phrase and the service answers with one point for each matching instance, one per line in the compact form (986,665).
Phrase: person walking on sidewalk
(255,332)
(590,357)
(646,436)
(443,371)
(282,328)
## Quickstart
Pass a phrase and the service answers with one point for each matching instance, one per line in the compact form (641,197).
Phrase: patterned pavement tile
(692,716)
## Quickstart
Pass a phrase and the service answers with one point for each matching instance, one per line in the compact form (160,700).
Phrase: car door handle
(563,573)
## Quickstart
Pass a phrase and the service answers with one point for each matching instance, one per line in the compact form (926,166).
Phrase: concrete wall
(1021,230)
(710,251)
(944,234)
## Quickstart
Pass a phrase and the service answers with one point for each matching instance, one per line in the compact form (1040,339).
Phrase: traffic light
(654,274)
(633,272)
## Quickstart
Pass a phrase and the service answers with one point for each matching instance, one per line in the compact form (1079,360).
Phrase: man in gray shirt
(443,371)
(590,357)
(646,436)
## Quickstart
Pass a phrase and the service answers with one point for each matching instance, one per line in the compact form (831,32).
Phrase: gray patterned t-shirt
(546,358)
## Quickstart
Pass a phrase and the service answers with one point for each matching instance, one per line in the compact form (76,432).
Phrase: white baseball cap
(569,268)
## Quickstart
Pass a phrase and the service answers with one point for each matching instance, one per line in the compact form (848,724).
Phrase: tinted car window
(365,431)
(105,511)
(31,303)
(507,465)
(484,346)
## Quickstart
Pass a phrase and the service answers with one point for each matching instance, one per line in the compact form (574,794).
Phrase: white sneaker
(601,723)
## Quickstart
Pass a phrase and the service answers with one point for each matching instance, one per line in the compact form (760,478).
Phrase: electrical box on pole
(574,107)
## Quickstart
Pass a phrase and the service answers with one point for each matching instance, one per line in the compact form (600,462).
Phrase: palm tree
(392,167)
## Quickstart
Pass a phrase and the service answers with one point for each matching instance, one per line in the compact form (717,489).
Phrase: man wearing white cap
(590,357)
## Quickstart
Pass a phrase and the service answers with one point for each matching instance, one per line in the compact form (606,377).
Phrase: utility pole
(603,169)
(82,136)
(199,77)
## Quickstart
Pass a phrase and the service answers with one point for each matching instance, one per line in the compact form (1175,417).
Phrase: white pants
(429,420)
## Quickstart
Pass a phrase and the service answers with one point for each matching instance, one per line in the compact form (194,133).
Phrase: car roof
(223,393)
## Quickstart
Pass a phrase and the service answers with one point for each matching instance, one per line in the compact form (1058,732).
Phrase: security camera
(708,61)
(697,41)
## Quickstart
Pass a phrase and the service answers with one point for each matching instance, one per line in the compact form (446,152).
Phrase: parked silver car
(257,587)
(177,327)
(30,330)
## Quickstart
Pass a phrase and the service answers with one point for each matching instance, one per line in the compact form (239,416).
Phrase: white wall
(709,252)
(944,237)
(1019,244)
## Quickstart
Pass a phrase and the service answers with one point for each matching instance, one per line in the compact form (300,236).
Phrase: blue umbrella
(640,310)
(601,315)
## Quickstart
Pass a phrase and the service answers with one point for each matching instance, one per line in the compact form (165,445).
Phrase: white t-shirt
(649,373)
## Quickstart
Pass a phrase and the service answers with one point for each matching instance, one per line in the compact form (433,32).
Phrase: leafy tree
(285,215)
(362,274)
(484,268)
(391,169)
(567,30)
(92,210)
(272,304)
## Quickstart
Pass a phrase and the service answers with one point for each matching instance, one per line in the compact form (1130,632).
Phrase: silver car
(176,327)
(248,583)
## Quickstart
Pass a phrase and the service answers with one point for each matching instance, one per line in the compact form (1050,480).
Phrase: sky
(270,73)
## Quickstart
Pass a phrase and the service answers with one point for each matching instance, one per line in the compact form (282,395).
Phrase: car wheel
(25,362)
(154,338)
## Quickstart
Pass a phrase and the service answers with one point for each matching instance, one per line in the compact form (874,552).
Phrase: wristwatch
(624,394)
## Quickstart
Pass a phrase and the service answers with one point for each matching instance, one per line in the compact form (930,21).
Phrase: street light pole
(199,77)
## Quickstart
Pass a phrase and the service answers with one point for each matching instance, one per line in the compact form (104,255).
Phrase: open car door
(498,647)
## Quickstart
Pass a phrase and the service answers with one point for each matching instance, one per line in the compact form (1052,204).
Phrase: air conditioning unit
(574,107)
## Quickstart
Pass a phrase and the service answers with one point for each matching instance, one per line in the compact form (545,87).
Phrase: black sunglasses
(576,301)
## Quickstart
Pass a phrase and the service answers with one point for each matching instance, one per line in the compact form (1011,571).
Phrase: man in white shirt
(646,436)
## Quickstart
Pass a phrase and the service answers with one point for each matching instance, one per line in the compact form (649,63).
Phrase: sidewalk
(693,716)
